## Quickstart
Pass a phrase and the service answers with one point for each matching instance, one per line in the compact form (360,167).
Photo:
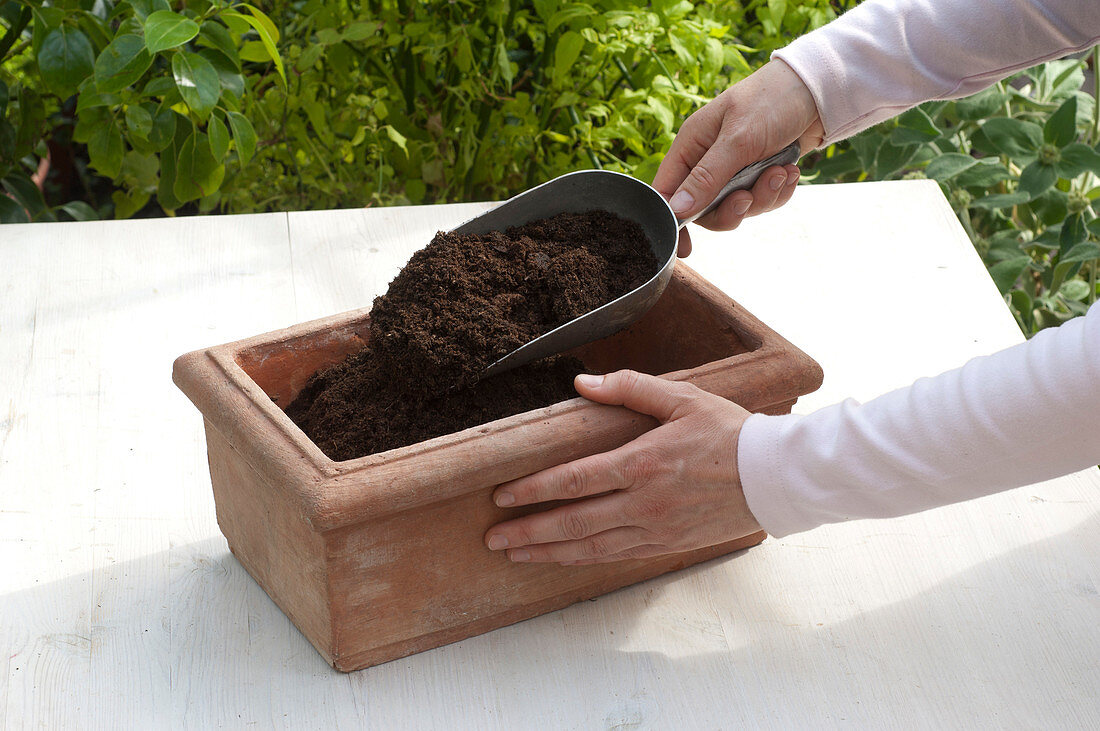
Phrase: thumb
(637,391)
(707,177)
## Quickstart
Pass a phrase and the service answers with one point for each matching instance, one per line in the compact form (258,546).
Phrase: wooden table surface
(120,606)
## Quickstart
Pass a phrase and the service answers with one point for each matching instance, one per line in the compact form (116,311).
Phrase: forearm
(1025,414)
(886,56)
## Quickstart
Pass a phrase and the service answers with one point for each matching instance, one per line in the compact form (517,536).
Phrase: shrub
(219,106)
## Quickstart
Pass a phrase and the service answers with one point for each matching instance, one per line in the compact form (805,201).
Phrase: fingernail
(504,499)
(742,207)
(682,202)
(519,555)
(590,381)
(497,542)
(778,181)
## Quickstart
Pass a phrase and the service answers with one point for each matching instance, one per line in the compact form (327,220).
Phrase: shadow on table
(185,636)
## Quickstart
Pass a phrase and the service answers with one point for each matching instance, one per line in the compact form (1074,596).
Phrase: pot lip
(330,492)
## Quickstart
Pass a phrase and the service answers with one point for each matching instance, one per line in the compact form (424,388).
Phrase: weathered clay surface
(382,556)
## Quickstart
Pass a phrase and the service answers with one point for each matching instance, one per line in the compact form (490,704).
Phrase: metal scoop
(624,196)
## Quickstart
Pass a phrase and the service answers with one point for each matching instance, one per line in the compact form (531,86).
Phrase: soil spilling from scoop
(460,304)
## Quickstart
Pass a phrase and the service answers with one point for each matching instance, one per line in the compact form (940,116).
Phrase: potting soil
(460,304)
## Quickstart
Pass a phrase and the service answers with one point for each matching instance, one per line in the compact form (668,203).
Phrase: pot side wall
(380,557)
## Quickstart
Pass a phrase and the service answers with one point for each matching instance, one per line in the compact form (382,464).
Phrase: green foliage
(213,105)
(1020,164)
(156,95)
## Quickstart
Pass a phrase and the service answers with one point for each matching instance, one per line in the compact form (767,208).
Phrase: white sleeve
(1026,414)
(886,56)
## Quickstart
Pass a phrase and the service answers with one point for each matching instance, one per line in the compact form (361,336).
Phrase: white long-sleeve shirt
(885,56)
(1025,414)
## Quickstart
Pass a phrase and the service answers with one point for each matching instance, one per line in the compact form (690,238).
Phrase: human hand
(674,488)
(750,121)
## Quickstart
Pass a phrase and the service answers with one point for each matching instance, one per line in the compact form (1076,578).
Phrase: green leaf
(892,158)
(121,63)
(566,53)
(1075,289)
(312,53)
(1078,158)
(946,166)
(197,82)
(7,144)
(79,211)
(255,52)
(1037,179)
(3,98)
(217,37)
(1001,200)
(198,174)
(504,65)
(12,212)
(26,194)
(163,87)
(1063,270)
(1061,127)
(1006,273)
(89,99)
(661,113)
(360,31)
(164,129)
(398,139)
(165,29)
(328,36)
(105,149)
(1085,251)
(267,32)
(269,27)
(914,127)
(1073,233)
(866,147)
(65,59)
(139,171)
(128,203)
(219,138)
(1023,304)
(139,121)
(572,11)
(983,176)
(1014,137)
(228,75)
(243,135)
(144,8)
(1051,207)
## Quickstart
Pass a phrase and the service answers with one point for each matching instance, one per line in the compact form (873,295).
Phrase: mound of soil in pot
(461,303)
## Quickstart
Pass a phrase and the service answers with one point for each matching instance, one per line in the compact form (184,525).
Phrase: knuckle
(520,534)
(627,379)
(574,526)
(703,176)
(642,467)
(574,483)
(595,547)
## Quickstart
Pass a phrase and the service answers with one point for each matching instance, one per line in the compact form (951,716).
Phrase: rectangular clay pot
(380,557)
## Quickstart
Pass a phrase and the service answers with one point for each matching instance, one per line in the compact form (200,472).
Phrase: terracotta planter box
(380,557)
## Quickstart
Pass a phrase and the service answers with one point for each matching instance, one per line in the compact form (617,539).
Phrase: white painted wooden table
(120,606)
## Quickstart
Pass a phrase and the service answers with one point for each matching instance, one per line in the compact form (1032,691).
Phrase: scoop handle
(744,178)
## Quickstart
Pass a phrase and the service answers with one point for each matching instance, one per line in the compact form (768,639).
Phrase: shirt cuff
(764,477)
